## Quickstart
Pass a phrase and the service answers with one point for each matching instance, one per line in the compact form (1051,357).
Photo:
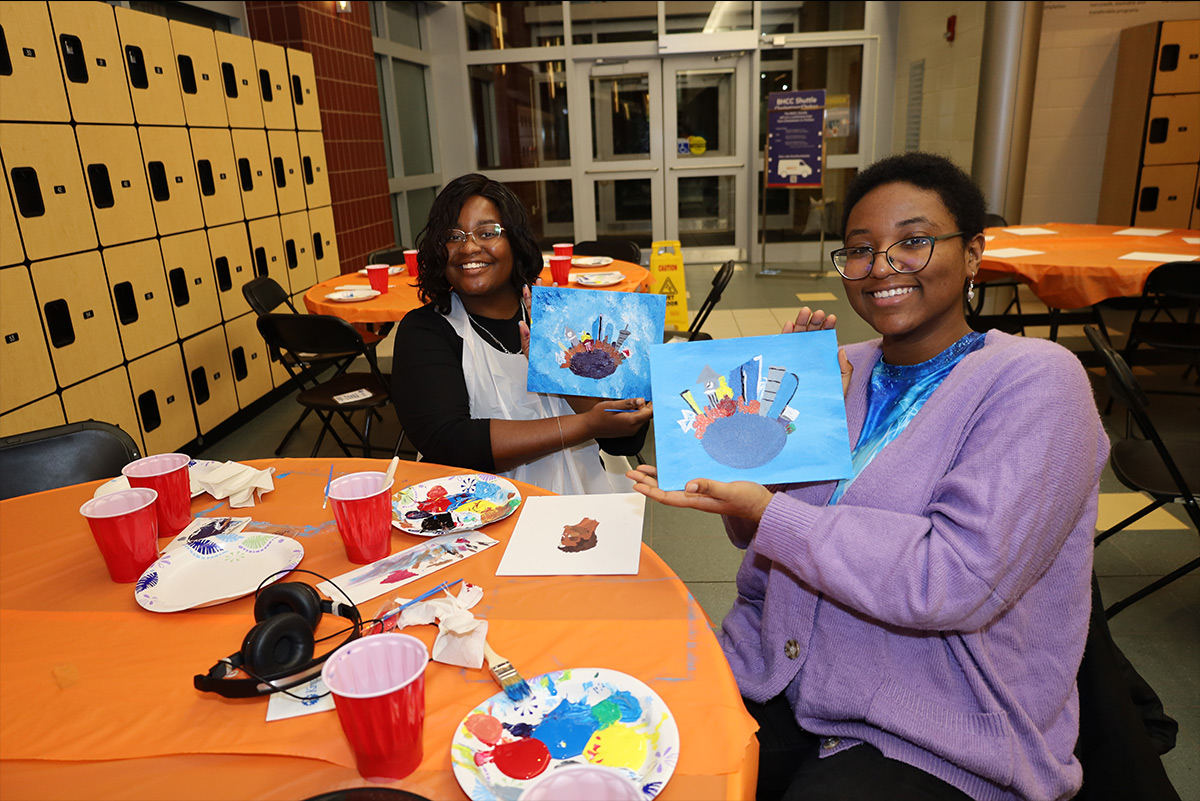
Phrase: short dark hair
(432,286)
(957,190)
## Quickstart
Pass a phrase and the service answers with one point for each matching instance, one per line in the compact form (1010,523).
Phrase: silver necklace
(478,327)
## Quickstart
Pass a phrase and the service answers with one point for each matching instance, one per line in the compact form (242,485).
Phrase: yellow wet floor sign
(667,278)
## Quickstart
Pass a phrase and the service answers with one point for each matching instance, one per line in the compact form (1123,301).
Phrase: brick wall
(344,63)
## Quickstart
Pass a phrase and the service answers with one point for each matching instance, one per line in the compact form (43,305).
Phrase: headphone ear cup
(292,596)
(279,645)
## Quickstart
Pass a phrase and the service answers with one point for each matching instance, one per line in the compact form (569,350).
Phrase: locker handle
(224,279)
(5,58)
(187,74)
(297,91)
(208,186)
(1159,128)
(73,59)
(137,67)
(280,172)
(1149,199)
(308,172)
(238,356)
(246,174)
(200,386)
(318,249)
(1168,58)
(58,323)
(179,288)
(260,262)
(264,80)
(101,184)
(289,248)
(126,303)
(148,409)
(28,192)
(160,188)
(230,79)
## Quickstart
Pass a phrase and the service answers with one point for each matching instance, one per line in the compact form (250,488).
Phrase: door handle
(621,169)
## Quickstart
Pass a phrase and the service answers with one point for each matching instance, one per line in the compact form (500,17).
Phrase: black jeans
(789,768)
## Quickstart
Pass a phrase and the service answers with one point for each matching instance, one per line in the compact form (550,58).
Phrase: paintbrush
(327,486)
(391,471)
(505,675)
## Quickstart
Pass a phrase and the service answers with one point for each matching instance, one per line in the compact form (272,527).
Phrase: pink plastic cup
(377,274)
(166,474)
(560,269)
(362,508)
(378,686)
(125,526)
(582,783)
(410,262)
(564,249)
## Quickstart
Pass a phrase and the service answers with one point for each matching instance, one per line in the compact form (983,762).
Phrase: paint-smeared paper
(283,706)
(576,535)
(767,409)
(593,343)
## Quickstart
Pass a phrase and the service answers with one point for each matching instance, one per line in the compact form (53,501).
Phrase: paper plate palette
(454,503)
(598,279)
(210,569)
(352,295)
(122,483)
(591,261)
(578,715)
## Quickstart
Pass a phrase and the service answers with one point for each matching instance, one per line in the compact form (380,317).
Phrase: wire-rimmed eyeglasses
(909,255)
(483,235)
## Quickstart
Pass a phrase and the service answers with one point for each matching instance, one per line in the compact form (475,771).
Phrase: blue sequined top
(896,394)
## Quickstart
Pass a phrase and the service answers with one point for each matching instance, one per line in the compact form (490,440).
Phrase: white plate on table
(598,279)
(205,570)
(454,503)
(122,483)
(393,270)
(629,729)
(352,295)
(591,261)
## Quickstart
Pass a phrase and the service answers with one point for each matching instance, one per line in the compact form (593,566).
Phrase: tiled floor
(1160,635)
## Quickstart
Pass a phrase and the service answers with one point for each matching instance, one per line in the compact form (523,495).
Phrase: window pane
(551,212)
(704,112)
(413,112)
(812,16)
(520,113)
(837,70)
(623,210)
(621,117)
(706,210)
(795,215)
(419,202)
(710,17)
(499,26)
(384,116)
(402,22)
(605,22)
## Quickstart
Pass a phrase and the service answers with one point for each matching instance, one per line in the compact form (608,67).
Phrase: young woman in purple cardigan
(914,632)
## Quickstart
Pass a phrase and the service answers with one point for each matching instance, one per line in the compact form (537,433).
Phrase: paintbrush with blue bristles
(515,687)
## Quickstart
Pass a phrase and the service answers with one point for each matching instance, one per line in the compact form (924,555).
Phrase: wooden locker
(312,168)
(77,315)
(11,250)
(1165,196)
(304,89)
(285,168)
(199,75)
(190,281)
(24,354)
(297,250)
(325,249)
(107,398)
(167,154)
(248,358)
(255,176)
(138,283)
(1173,130)
(44,413)
(150,68)
(49,195)
(266,251)
(217,175)
(239,80)
(232,267)
(116,178)
(31,83)
(274,90)
(92,63)
(1177,68)
(160,396)
(206,359)
(1195,223)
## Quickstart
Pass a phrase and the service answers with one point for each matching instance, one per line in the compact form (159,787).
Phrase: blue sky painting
(593,342)
(765,409)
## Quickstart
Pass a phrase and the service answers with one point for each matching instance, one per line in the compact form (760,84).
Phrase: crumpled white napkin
(460,634)
(240,483)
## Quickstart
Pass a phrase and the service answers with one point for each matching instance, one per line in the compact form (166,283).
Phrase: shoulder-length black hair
(958,192)
(432,285)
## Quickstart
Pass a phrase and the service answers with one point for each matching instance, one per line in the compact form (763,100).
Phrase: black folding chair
(389,256)
(1169,287)
(720,281)
(621,249)
(342,393)
(1147,465)
(60,456)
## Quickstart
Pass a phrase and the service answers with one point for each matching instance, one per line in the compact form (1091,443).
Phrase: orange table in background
(97,693)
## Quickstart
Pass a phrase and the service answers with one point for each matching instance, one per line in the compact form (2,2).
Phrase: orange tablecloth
(97,693)
(1081,265)
(401,296)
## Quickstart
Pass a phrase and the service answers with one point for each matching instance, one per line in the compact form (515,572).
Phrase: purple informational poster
(795,144)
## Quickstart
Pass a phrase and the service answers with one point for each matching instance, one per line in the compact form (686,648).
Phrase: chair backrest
(720,281)
(993,220)
(61,456)
(622,249)
(389,256)
(1179,279)
(265,295)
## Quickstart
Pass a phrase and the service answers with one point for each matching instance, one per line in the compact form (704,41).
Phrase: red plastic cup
(166,474)
(125,525)
(564,249)
(378,686)
(362,508)
(582,783)
(560,269)
(410,262)
(377,274)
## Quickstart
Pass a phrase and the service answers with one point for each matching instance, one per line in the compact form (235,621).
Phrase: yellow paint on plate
(617,746)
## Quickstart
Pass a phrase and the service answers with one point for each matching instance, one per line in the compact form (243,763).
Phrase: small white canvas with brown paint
(576,535)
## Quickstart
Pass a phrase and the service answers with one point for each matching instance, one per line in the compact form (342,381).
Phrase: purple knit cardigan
(939,610)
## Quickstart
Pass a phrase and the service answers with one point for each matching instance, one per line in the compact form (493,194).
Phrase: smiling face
(480,273)
(918,314)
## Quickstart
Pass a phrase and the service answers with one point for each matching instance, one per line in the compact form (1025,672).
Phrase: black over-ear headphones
(277,653)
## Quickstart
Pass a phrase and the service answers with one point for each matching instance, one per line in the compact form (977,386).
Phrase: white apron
(496,384)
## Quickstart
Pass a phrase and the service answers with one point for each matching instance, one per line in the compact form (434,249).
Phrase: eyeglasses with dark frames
(909,255)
